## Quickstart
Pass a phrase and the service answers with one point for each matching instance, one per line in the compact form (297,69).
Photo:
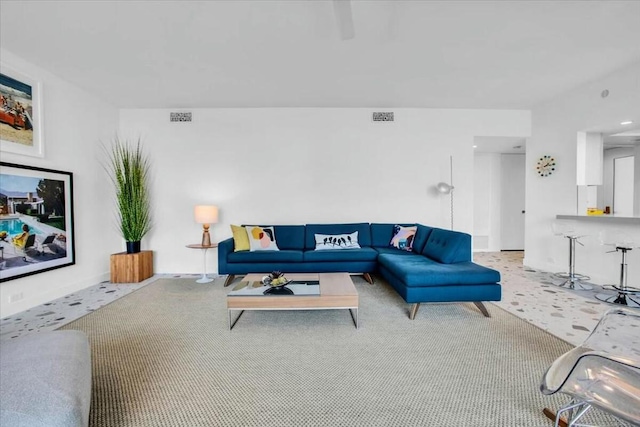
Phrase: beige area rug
(163,356)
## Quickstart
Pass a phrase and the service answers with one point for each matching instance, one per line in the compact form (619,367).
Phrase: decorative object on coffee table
(128,167)
(277,284)
(206,215)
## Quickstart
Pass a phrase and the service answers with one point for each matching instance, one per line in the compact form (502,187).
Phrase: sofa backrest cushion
(363,229)
(382,233)
(288,236)
(422,235)
(448,247)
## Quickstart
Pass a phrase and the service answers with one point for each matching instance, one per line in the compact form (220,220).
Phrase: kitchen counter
(612,219)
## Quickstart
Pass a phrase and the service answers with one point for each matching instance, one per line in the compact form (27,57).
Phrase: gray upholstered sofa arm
(45,380)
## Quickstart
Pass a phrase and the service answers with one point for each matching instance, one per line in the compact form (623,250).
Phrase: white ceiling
(446,54)
(629,138)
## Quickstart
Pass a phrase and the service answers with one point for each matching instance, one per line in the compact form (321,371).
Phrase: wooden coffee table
(337,292)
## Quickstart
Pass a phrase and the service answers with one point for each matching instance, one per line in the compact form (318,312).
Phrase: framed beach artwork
(20,114)
(36,220)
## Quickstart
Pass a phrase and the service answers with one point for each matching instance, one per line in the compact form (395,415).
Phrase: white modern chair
(572,280)
(602,373)
(622,294)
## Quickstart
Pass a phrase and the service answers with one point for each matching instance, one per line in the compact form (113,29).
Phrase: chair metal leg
(549,413)
(624,295)
(621,299)
(574,280)
(575,410)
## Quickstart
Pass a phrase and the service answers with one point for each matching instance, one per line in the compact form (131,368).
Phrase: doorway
(513,200)
(499,194)
(623,185)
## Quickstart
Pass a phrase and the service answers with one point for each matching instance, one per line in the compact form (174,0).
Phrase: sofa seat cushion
(345,255)
(418,271)
(265,256)
(393,251)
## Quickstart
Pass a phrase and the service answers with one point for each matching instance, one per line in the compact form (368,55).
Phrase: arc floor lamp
(447,188)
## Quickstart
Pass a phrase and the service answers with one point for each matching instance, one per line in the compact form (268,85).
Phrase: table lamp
(206,215)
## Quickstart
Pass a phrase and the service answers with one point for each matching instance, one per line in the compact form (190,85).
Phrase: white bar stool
(572,280)
(623,293)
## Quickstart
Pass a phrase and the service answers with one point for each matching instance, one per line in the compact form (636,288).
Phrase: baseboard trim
(41,298)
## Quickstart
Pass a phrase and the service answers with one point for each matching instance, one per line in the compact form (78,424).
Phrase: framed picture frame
(36,220)
(20,113)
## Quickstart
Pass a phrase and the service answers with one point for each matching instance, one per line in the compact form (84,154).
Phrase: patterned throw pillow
(337,241)
(261,238)
(403,237)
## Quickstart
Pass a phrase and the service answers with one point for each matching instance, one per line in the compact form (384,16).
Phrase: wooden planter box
(131,268)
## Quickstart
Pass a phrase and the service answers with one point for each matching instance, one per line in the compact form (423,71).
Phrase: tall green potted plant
(129,169)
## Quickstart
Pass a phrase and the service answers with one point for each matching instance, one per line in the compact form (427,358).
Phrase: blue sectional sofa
(437,269)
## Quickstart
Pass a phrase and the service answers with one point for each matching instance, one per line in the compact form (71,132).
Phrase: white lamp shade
(444,188)
(206,214)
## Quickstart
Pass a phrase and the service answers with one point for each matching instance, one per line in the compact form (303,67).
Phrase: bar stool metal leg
(624,295)
(572,279)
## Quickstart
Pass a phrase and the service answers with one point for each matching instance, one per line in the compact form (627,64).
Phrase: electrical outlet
(16,297)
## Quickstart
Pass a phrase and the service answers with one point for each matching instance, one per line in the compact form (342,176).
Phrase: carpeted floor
(163,356)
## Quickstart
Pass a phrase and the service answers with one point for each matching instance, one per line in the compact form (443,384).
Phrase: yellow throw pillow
(240,238)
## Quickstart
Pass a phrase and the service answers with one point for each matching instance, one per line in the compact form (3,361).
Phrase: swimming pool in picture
(13,226)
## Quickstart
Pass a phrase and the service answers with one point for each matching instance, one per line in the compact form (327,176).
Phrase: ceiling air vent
(383,117)
(180,117)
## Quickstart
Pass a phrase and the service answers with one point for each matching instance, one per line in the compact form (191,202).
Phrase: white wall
(487,202)
(296,166)
(73,123)
(636,180)
(554,129)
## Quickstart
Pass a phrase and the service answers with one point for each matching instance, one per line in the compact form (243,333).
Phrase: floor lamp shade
(444,188)
(206,215)
(447,188)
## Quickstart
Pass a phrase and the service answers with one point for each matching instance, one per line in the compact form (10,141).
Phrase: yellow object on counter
(594,211)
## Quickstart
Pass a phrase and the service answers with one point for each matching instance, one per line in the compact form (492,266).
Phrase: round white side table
(204,278)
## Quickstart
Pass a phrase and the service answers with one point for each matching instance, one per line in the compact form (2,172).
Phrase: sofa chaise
(438,268)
